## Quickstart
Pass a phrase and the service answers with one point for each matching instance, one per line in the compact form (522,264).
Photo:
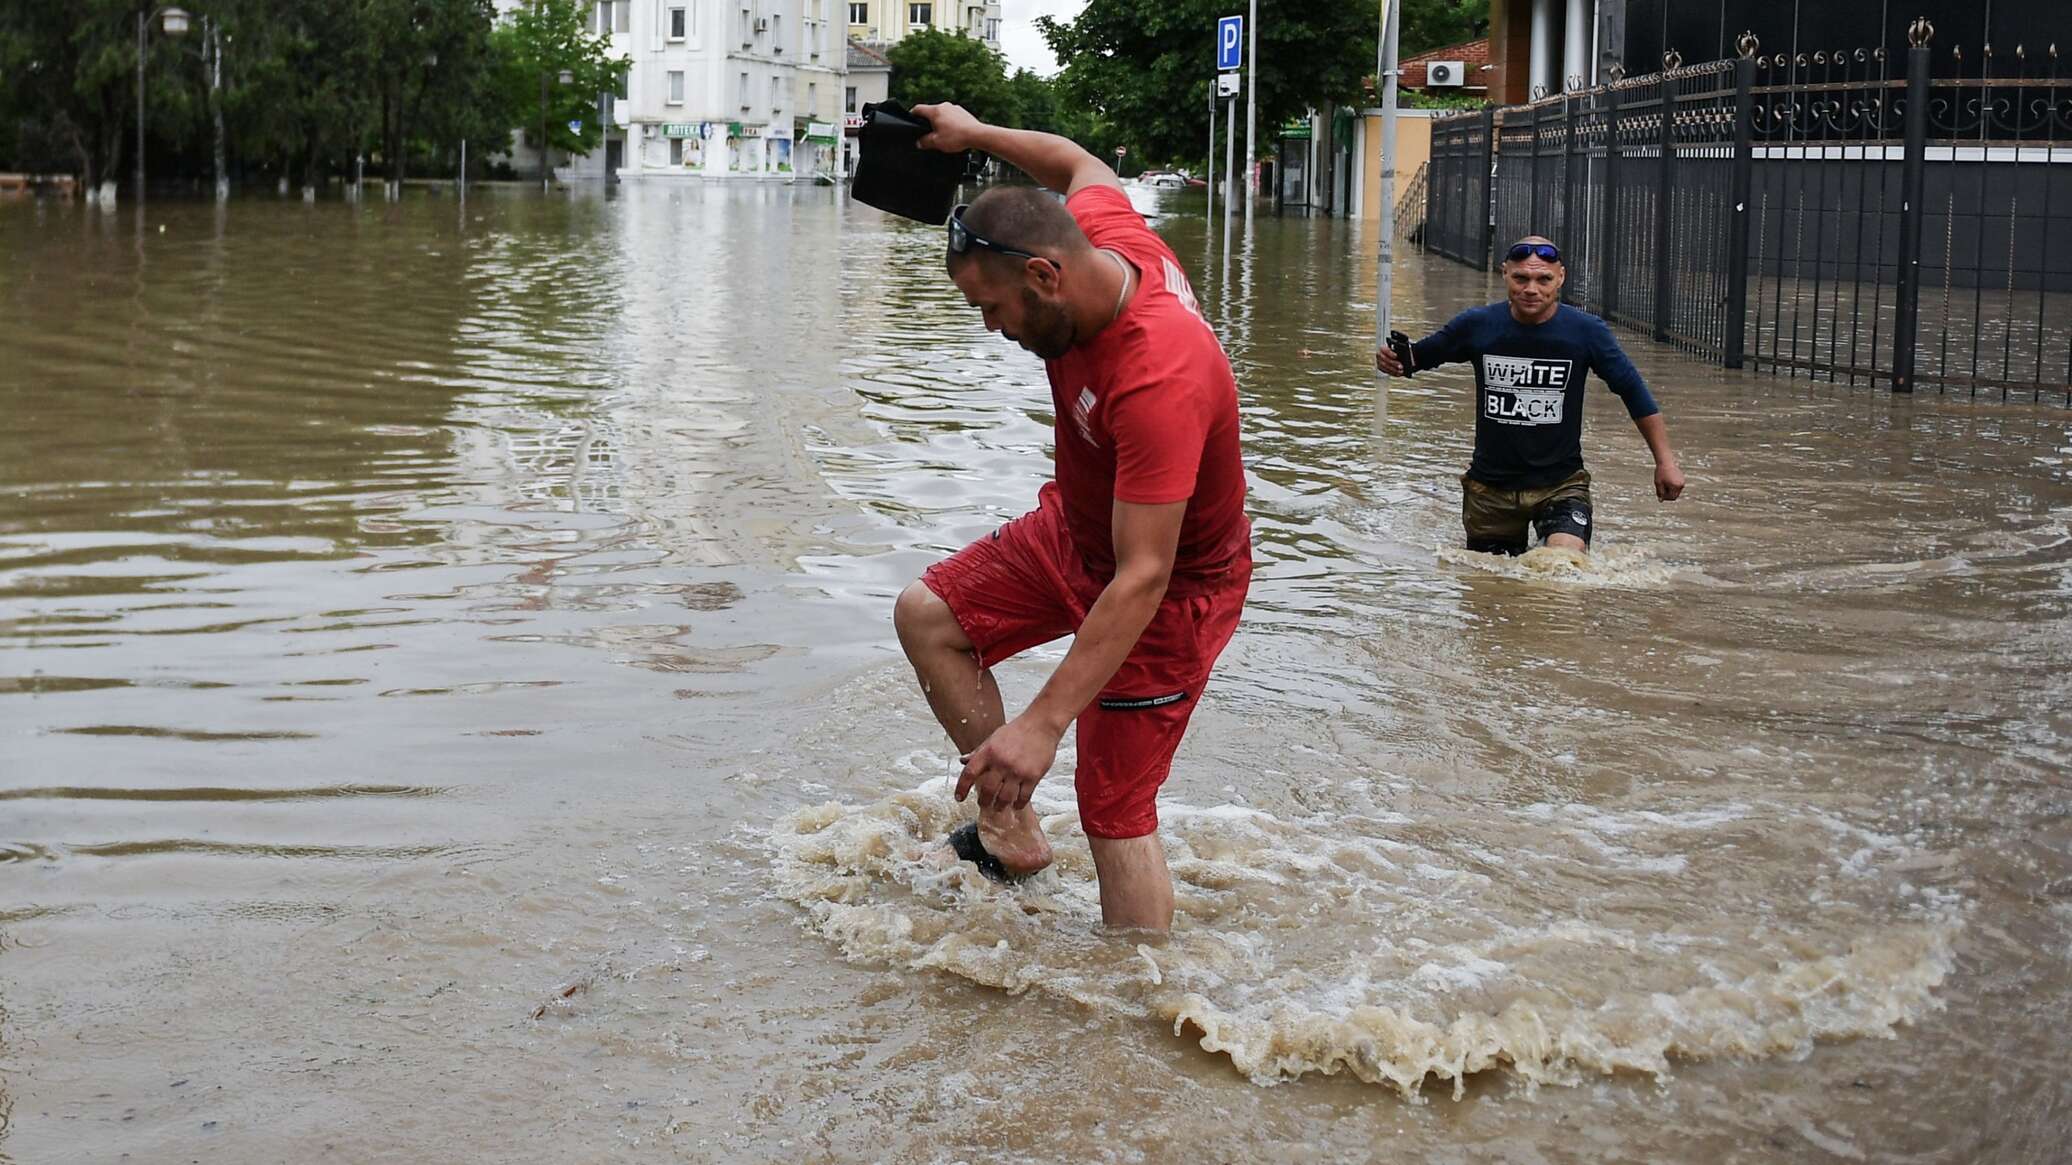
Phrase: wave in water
(1350,945)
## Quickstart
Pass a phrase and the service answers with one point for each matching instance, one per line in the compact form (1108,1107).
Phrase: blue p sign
(1230,40)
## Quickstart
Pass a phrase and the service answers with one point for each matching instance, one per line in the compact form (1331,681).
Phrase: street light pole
(566,78)
(1388,68)
(175,25)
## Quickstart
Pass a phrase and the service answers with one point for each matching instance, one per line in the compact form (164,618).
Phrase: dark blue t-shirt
(1529,388)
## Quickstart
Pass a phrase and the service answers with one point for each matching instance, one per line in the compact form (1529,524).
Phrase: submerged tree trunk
(215,50)
(310,174)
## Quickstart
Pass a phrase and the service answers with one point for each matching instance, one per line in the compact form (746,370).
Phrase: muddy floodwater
(449,711)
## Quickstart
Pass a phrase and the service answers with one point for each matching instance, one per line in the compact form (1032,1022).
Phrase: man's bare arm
(1054,162)
(1007,767)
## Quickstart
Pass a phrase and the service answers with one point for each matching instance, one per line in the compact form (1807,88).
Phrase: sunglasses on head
(1523,251)
(963,239)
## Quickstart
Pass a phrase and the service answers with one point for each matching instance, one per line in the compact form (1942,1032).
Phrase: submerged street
(449,707)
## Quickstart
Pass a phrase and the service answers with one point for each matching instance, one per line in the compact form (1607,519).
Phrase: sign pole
(1212,159)
(1230,52)
(1231,192)
(1391,21)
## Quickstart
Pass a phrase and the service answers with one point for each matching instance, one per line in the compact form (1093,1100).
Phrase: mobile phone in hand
(1400,345)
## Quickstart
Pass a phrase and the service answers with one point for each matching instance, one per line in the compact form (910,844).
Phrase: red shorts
(1025,584)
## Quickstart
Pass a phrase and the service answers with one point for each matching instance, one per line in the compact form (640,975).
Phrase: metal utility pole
(1212,154)
(1387,70)
(1232,191)
(1251,106)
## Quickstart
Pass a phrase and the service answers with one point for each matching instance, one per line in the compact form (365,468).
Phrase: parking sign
(1230,39)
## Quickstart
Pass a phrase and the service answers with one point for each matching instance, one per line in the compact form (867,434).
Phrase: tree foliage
(931,65)
(1433,24)
(307,85)
(1145,67)
(532,48)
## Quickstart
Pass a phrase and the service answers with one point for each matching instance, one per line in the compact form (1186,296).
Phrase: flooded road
(449,710)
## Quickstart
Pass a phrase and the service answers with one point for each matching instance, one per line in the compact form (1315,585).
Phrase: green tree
(531,48)
(1431,24)
(931,65)
(67,82)
(300,86)
(1143,66)
(428,57)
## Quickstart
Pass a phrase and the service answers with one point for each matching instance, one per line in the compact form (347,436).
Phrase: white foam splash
(1304,947)
(1602,567)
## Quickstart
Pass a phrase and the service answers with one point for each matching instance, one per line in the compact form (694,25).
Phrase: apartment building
(887,21)
(736,89)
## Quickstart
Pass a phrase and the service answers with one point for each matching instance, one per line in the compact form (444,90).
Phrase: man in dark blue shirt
(1531,355)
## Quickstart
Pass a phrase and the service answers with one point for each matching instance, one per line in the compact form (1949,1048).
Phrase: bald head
(1025,218)
(1530,246)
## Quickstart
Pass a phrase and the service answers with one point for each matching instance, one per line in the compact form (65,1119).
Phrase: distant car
(1163,180)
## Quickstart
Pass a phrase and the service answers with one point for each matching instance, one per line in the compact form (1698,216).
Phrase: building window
(920,15)
(676,151)
(747,29)
(676,86)
(677,19)
(777,33)
(859,13)
(993,28)
(776,98)
(849,99)
(812,99)
(744,91)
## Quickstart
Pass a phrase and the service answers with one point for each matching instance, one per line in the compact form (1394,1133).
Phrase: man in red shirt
(1140,548)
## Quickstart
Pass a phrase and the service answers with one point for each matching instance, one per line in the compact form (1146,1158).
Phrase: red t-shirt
(1147,409)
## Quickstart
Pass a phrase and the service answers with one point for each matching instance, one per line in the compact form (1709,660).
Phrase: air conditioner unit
(762,24)
(1445,74)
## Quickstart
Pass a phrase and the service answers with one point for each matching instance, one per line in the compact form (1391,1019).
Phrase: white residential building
(886,21)
(717,89)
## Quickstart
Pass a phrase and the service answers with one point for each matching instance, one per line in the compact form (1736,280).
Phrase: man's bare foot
(1015,838)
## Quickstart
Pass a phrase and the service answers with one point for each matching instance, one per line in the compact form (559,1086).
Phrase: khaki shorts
(1497,520)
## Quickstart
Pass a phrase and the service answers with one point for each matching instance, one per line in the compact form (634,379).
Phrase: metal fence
(1832,214)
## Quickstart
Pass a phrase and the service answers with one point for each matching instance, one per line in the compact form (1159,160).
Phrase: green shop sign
(1298,128)
(681,129)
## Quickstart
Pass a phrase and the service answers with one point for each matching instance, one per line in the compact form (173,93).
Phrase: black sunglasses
(963,238)
(1522,251)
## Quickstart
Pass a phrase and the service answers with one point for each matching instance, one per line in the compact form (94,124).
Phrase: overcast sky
(1019,39)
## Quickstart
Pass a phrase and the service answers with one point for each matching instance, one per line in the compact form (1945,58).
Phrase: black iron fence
(1833,214)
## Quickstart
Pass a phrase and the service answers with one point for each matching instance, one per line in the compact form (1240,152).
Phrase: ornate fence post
(1665,273)
(1912,173)
(1744,183)
(1485,227)
(1571,192)
(1608,235)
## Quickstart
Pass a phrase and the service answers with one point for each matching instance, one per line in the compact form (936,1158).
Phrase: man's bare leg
(966,701)
(1136,887)
(1568,542)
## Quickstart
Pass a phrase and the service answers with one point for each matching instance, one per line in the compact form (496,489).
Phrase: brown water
(448,711)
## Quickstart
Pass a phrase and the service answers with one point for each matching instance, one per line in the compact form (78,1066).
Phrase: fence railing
(1412,206)
(1830,214)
